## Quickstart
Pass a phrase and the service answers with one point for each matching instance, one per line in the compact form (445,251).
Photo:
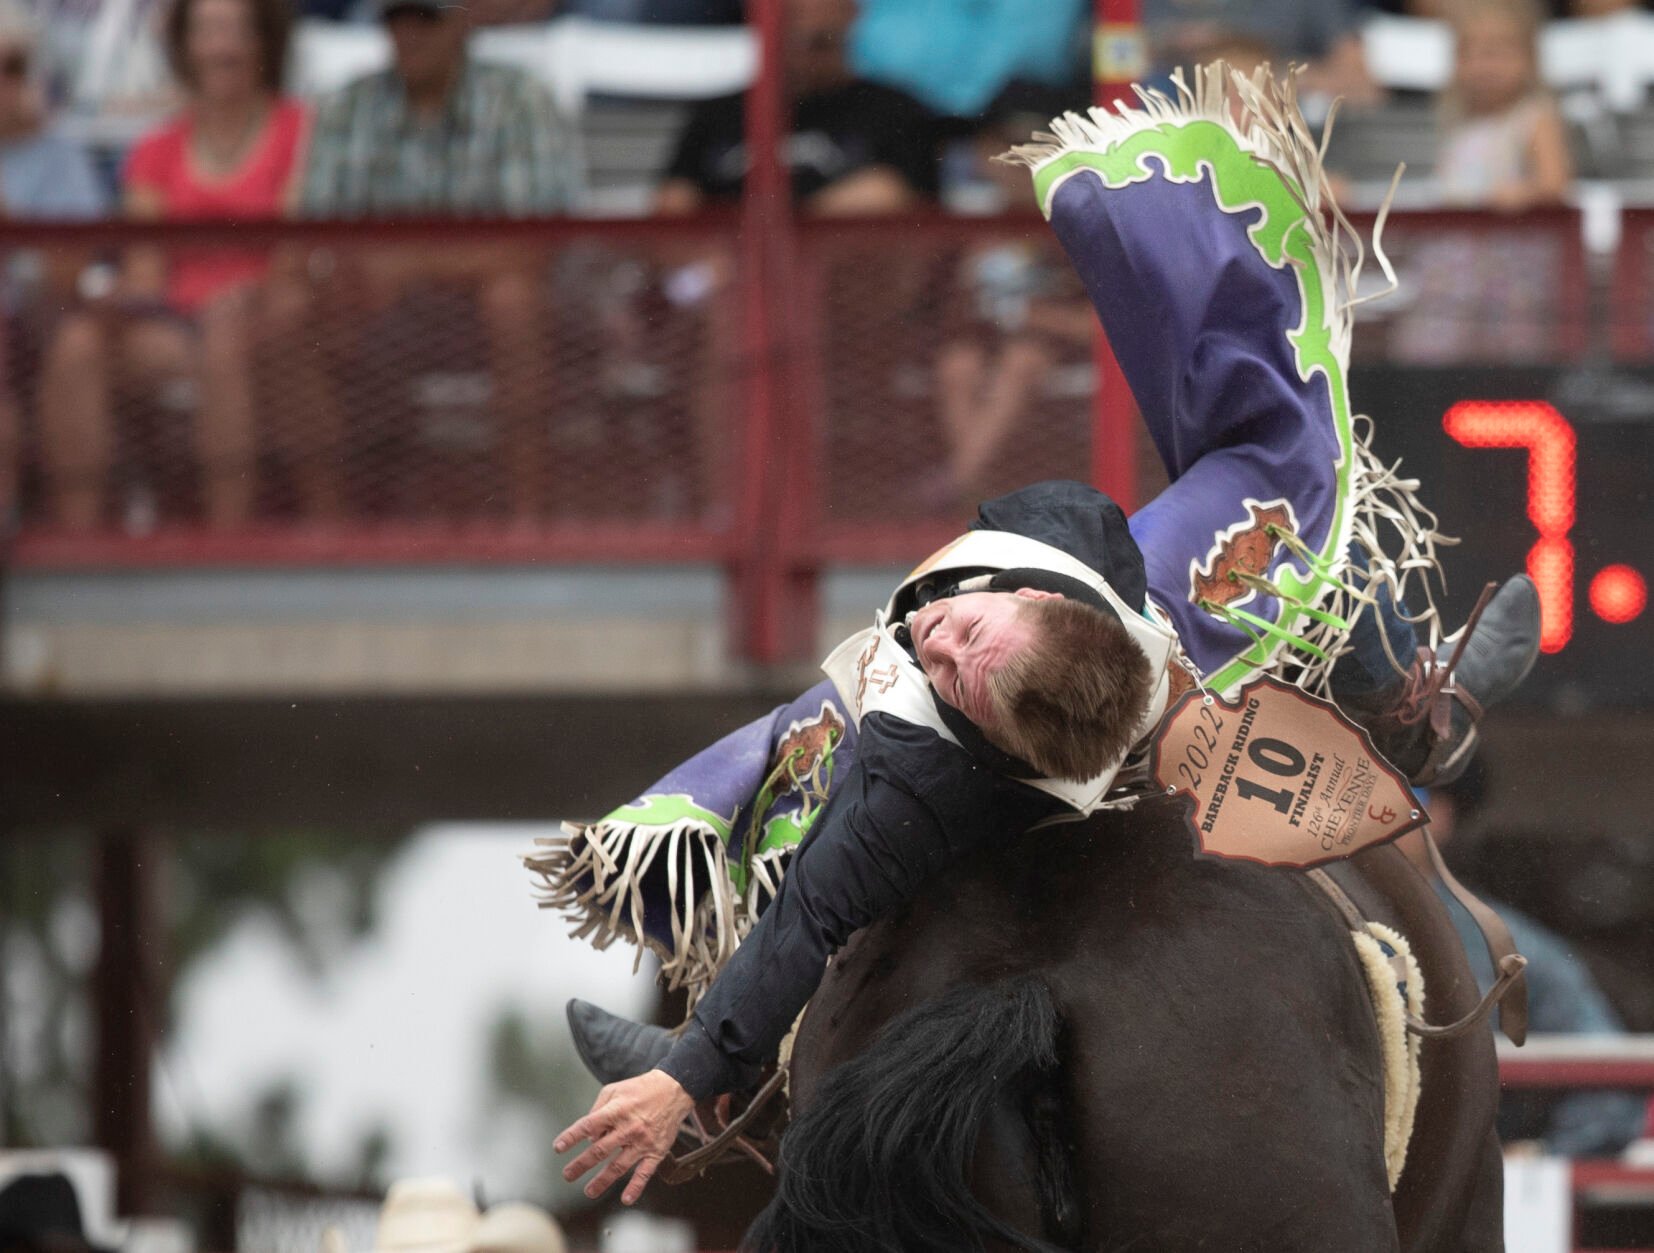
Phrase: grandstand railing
(1630,308)
(651,391)
(1576,1061)
(1570,1063)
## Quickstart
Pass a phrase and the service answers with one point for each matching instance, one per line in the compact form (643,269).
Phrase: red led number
(1549,439)
(1618,594)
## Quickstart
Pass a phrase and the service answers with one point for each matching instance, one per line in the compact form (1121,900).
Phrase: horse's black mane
(880,1161)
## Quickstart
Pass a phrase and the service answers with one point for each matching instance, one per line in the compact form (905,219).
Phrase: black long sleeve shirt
(912,804)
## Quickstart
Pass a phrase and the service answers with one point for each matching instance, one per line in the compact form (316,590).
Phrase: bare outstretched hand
(631,1124)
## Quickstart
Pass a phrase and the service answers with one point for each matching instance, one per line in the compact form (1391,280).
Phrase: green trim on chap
(1189,152)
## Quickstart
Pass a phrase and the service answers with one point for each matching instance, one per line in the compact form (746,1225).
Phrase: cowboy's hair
(1069,702)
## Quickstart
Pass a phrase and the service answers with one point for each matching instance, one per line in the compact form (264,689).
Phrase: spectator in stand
(194,315)
(1563,998)
(1503,142)
(43,175)
(1320,34)
(957,56)
(1012,311)
(855,147)
(1503,146)
(438,134)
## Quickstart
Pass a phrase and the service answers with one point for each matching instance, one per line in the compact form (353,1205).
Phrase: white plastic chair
(1613,54)
(325,56)
(590,58)
(1408,53)
(1610,56)
(575,57)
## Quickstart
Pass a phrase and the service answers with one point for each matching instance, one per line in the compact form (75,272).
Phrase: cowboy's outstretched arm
(631,1125)
(860,860)
(912,805)
(873,846)
(871,849)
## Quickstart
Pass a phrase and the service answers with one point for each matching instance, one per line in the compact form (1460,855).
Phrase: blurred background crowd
(263,111)
(419,414)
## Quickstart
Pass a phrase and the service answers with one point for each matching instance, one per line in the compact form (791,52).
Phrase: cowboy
(1011,679)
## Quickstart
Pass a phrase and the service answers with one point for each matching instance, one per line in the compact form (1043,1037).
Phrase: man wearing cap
(437,133)
(1011,677)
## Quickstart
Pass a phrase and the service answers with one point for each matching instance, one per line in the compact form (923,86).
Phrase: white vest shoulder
(873,672)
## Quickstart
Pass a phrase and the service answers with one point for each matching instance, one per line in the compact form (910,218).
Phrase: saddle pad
(1396,986)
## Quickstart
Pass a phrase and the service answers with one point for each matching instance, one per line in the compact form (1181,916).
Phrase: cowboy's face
(961,641)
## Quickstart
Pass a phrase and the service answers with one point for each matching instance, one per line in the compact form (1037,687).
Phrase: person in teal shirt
(955,56)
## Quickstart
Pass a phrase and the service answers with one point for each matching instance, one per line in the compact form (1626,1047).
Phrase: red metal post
(760,605)
(1118,60)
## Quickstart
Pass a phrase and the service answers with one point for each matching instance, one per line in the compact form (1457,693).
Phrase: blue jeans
(1366,668)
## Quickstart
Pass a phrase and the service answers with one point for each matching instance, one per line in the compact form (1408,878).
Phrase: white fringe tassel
(594,873)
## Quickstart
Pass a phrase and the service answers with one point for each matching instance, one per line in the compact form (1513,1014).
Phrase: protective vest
(872,671)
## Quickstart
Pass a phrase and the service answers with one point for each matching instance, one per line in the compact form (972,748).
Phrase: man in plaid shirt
(438,134)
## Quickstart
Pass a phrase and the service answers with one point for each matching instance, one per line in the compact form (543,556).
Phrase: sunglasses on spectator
(14,64)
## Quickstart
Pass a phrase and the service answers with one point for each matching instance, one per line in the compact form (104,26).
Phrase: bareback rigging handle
(1509,986)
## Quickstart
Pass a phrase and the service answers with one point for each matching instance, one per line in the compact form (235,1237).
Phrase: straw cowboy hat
(434,1216)
(518,1228)
(419,1216)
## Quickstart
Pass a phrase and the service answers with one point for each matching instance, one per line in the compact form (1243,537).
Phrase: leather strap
(1509,987)
(1441,708)
(727,1143)
(1508,964)
(1356,920)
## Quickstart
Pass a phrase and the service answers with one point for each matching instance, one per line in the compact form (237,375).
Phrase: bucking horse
(1093,1039)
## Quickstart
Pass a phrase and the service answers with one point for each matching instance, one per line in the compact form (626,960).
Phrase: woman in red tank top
(194,315)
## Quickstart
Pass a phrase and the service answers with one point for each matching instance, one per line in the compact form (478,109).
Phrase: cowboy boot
(615,1048)
(1425,724)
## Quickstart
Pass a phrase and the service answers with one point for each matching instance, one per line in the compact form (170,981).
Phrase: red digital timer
(1618,594)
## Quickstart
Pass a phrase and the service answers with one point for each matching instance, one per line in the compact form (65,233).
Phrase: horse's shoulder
(1128,887)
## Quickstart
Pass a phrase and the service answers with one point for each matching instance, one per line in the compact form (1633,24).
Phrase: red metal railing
(1630,310)
(594,391)
(1561,1063)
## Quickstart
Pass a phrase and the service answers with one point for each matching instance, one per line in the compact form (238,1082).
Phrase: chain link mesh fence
(358,383)
(1477,289)
(951,369)
(492,384)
